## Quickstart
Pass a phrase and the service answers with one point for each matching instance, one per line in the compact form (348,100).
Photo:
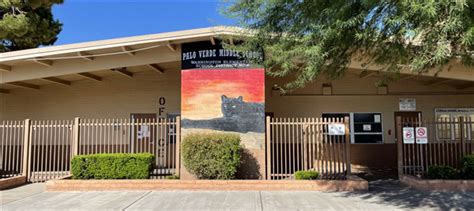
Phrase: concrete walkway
(383,195)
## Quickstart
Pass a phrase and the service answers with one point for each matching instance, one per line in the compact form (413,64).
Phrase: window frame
(466,112)
(351,126)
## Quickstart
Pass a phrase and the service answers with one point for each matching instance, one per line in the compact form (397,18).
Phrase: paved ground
(383,195)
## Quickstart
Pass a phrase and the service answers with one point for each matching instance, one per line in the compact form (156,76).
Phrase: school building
(140,77)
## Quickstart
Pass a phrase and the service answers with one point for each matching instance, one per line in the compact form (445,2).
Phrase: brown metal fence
(11,148)
(448,141)
(295,144)
(156,136)
(50,149)
(52,143)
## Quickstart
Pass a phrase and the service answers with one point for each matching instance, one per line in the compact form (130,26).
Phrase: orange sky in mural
(201,90)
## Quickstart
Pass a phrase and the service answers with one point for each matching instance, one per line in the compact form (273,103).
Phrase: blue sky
(104,19)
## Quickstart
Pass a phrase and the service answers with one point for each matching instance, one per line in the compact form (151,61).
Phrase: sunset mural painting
(222,92)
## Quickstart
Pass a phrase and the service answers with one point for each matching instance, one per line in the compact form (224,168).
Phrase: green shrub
(468,166)
(212,156)
(441,172)
(172,177)
(112,166)
(306,175)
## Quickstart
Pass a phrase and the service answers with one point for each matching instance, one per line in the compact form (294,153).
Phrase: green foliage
(468,166)
(27,24)
(112,166)
(306,175)
(212,156)
(307,39)
(442,172)
(172,177)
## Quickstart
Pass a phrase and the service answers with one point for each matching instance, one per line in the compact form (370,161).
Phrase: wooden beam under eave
(86,56)
(464,86)
(171,47)
(437,82)
(58,81)
(366,74)
(47,63)
(124,72)
(24,85)
(407,77)
(156,68)
(4,91)
(5,68)
(213,41)
(90,76)
(128,50)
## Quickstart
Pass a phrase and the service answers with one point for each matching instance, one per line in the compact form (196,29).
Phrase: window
(448,127)
(364,127)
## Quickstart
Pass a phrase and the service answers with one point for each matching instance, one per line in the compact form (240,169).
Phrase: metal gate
(295,144)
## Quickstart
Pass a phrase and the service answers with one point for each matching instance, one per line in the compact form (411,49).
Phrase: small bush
(212,156)
(112,166)
(306,175)
(468,166)
(172,177)
(442,172)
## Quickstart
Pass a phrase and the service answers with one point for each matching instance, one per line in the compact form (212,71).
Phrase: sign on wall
(336,129)
(408,135)
(222,92)
(407,104)
(421,135)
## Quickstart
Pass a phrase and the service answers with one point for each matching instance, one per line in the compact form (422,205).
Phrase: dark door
(144,132)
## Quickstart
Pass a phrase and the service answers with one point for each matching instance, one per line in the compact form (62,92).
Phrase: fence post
(348,144)
(268,149)
(461,128)
(26,148)
(178,146)
(75,137)
(398,123)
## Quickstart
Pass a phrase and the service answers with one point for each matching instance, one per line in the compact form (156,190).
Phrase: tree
(309,38)
(27,24)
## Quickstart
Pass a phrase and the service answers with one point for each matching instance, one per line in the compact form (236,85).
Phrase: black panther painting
(238,116)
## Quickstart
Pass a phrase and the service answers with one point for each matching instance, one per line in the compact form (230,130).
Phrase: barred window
(448,126)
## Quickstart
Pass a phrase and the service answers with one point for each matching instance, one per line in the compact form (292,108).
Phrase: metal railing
(448,141)
(51,144)
(295,144)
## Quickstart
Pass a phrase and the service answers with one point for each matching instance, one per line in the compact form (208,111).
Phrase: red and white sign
(408,135)
(421,135)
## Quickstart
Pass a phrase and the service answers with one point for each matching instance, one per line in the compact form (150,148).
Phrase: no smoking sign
(421,135)
(408,135)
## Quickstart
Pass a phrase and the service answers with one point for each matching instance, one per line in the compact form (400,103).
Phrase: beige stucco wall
(352,94)
(114,97)
(118,96)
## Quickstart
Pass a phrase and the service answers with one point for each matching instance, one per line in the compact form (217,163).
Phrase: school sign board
(221,91)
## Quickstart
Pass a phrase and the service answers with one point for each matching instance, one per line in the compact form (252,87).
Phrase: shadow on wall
(249,167)
(393,193)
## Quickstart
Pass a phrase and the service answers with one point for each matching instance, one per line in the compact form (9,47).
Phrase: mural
(222,93)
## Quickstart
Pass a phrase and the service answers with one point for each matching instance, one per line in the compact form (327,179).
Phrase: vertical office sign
(221,91)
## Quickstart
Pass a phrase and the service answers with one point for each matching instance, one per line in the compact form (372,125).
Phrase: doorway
(413,116)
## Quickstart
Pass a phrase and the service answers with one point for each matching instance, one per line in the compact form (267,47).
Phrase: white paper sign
(408,135)
(336,129)
(143,132)
(421,135)
(407,104)
(367,127)
(377,118)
